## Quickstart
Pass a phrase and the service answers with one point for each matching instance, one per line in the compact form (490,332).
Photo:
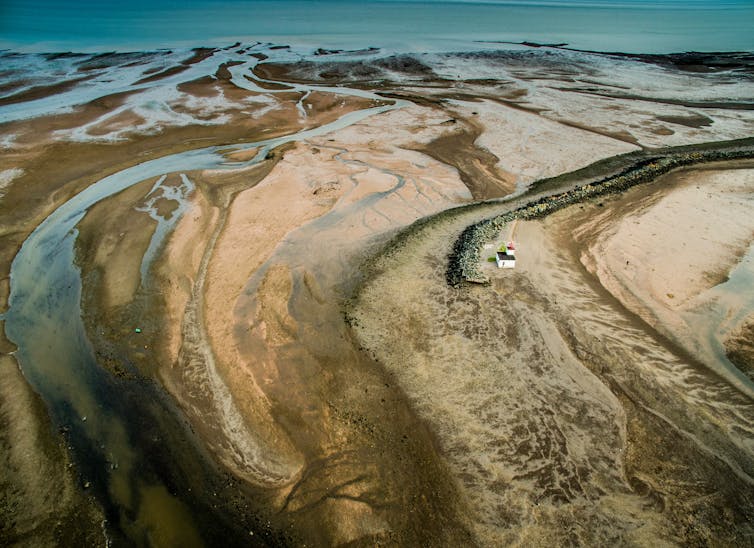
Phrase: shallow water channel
(128,440)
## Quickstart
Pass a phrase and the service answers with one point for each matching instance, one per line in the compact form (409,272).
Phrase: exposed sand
(553,405)
(109,237)
(533,411)
(279,366)
(110,249)
(41,501)
(38,150)
(664,254)
(533,147)
(181,262)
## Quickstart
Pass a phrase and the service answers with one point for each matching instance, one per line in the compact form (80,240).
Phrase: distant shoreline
(636,27)
(678,57)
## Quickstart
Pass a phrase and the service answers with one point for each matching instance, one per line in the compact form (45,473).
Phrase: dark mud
(476,165)
(348,72)
(41,499)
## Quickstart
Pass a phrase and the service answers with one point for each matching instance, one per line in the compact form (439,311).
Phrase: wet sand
(553,403)
(667,257)
(430,416)
(271,310)
(113,245)
(41,497)
(739,347)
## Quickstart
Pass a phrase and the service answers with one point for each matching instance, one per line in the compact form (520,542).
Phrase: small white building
(505,260)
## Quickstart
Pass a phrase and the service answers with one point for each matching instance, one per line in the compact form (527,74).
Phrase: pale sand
(181,260)
(621,99)
(413,124)
(303,187)
(663,250)
(533,147)
(270,376)
(257,220)
(639,121)
(193,373)
(7,176)
(319,192)
(113,127)
(286,256)
(218,187)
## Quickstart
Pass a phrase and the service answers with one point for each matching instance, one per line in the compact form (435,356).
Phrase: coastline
(259,268)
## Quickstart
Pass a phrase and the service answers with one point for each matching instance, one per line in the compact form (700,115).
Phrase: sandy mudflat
(272,316)
(41,500)
(565,403)
(668,254)
(553,404)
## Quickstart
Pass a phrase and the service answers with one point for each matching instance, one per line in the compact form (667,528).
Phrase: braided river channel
(127,438)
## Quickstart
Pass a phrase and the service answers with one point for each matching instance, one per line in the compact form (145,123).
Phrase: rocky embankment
(463,263)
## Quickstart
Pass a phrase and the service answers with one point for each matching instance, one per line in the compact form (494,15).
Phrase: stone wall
(463,264)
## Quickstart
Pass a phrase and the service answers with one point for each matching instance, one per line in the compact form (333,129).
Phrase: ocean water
(639,26)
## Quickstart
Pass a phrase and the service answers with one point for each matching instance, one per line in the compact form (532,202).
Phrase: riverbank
(42,499)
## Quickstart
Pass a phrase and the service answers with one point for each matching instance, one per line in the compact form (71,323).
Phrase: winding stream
(129,441)
(114,425)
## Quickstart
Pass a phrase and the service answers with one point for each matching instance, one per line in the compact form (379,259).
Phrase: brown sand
(266,85)
(740,347)
(242,155)
(29,198)
(109,239)
(546,413)
(284,370)
(278,341)
(554,405)
(200,54)
(477,166)
(40,499)
(171,71)
(39,92)
(77,165)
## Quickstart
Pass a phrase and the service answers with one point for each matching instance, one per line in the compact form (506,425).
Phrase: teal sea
(636,26)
